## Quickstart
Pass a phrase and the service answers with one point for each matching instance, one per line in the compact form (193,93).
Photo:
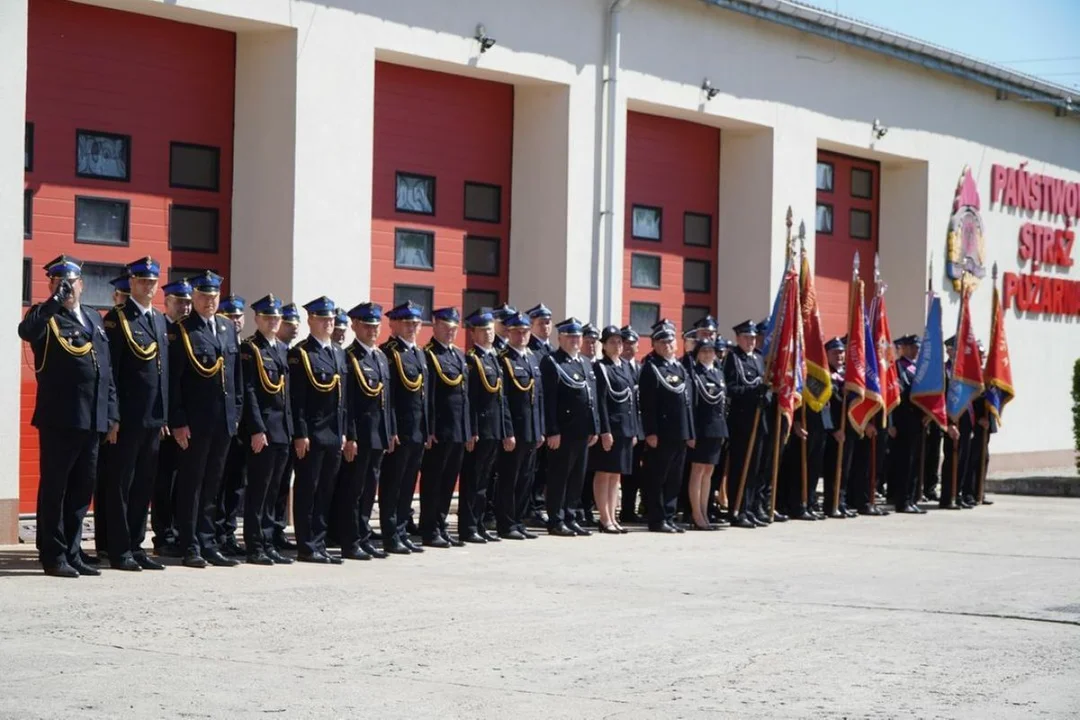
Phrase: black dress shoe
(474,538)
(83,569)
(932,496)
(869,510)
(916,509)
(372,551)
(743,522)
(317,558)
(437,542)
(850,513)
(986,501)
(62,569)
(561,530)
(354,553)
(215,558)
(577,529)
(489,536)
(761,519)
(283,543)
(526,534)
(148,563)
(277,557)
(779,517)
(676,527)
(89,559)
(536,520)
(949,506)
(968,501)
(665,528)
(231,548)
(396,547)
(194,560)
(609,529)
(259,558)
(805,515)
(411,528)
(334,559)
(125,563)
(512,535)
(453,540)
(413,547)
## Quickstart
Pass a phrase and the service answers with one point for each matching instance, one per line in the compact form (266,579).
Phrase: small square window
(27,214)
(102,155)
(473,300)
(860,224)
(643,316)
(862,183)
(182,273)
(28,148)
(483,202)
(825,177)
(414,249)
(823,219)
(103,221)
(645,271)
(196,167)
(697,229)
(419,294)
(645,223)
(697,276)
(194,229)
(691,314)
(97,291)
(27,268)
(481,255)
(415,194)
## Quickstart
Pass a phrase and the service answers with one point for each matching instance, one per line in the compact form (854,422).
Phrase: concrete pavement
(972,614)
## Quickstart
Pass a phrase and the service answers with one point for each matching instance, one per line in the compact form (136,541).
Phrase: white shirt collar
(142,309)
(405,342)
(322,344)
(369,349)
(269,338)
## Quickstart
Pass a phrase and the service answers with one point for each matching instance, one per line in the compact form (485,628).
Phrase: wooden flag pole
(777,427)
(980,492)
(803,470)
(789,256)
(838,473)
(955,469)
(737,507)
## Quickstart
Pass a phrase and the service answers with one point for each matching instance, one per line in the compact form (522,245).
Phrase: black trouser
(768,460)
(355,497)
(565,476)
(198,476)
(133,465)
(396,484)
(231,494)
(316,476)
(163,505)
(743,454)
(902,458)
(68,465)
(665,470)
(789,489)
(958,452)
(932,458)
(538,472)
(977,460)
(438,474)
(584,504)
(281,504)
(476,472)
(101,497)
(633,482)
(513,499)
(264,473)
(858,487)
(831,460)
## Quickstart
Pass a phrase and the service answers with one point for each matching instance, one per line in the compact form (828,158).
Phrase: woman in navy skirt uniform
(710,411)
(613,456)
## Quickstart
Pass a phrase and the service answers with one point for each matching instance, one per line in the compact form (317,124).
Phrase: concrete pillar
(13,19)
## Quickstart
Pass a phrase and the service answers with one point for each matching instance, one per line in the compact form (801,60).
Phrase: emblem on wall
(966,250)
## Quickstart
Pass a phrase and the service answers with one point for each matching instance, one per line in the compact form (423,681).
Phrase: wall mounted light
(879,130)
(486,43)
(709,90)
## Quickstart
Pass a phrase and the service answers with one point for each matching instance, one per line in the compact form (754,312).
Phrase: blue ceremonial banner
(928,387)
(873,379)
(965,382)
(774,323)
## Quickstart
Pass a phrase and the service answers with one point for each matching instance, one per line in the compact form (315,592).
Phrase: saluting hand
(301,445)
(258,442)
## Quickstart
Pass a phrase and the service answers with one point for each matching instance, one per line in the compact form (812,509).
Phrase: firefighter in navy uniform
(667,420)
(206,396)
(500,314)
(266,429)
(492,430)
(409,386)
(744,375)
(904,490)
(540,327)
(523,386)
(572,423)
(583,507)
(451,428)
(370,431)
(75,405)
(835,349)
(139,348)
(956,446)
(163,505)
(231,495)
(634,482)
(316,375)
(286,334)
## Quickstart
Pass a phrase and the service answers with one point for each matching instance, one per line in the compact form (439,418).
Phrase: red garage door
(846,223)
(129,123)
(672,190)
(441,206)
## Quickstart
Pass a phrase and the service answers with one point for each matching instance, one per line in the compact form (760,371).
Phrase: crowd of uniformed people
(184,419)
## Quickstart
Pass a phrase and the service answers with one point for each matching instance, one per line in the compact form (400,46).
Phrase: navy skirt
(620,459)
(706,451)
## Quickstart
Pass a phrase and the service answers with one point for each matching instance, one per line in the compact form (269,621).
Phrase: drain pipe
(611,85)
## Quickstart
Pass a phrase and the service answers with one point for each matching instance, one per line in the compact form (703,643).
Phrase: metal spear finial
(993,271)
(855,264)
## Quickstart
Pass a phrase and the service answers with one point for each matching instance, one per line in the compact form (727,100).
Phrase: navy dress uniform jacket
(267,400)
(371,421)
(666,399)
(489,411)
(570,403)
(407,368)
(710,401)
(317,386)
(524,394)
(448,396)
(141,376)
(620,416)
(200,399)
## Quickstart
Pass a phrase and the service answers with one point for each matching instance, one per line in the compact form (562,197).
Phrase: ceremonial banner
(784,340)
(928,387)
(965,382)
(863,410)
(818,386)
(886,355)
(998,375)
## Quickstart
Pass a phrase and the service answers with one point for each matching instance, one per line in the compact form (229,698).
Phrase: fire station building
(619,160)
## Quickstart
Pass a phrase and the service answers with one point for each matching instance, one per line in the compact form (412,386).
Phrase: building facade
(620,161)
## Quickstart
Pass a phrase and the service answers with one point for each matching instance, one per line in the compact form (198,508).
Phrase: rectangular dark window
(102,155)
(482,255)
(691,314)
(193,229)
(643,316)
(97,290)
(823,219)
(697,276)
(862,183)
(645,271)
(825,177)
(102,221)
(27,214)
(414,194)
(28,148)
(414,249)
(697,229)
(483,202)
(196,167)
(27,268)
(180,273)
(473,300)
(420,295)
(645,222)
(860,224)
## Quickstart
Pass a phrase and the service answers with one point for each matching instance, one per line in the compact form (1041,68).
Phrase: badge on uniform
(576,376)
(674,379)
